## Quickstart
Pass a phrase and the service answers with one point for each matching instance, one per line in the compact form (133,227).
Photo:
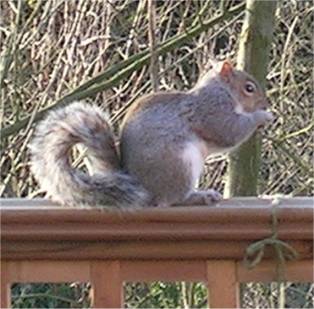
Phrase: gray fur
(154,136)
(54,137)
(153,139)
(151,145)
(215,116)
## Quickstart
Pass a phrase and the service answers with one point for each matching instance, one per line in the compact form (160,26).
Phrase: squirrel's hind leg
(202,197)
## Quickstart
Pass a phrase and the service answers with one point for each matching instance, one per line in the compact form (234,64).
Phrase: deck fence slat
(43,242)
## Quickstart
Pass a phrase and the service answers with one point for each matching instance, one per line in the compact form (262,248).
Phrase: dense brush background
(50,47)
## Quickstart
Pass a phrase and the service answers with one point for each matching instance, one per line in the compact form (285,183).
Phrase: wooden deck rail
(43,242)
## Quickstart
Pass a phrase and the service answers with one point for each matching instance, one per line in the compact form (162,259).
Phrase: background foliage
(51,47)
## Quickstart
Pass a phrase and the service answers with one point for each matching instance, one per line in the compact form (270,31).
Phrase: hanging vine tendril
(254,253)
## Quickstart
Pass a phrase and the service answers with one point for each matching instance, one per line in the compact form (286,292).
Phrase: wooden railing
(43,242)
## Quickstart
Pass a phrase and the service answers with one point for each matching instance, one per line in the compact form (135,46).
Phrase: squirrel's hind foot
(203,197)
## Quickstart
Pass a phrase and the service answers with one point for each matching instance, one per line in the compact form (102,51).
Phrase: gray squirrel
(165,139)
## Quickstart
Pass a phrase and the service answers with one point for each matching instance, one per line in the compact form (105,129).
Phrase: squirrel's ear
(226,69)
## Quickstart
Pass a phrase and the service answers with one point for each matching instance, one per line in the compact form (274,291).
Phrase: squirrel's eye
(250,87)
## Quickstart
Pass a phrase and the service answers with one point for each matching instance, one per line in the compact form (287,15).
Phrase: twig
(122,70)
(151,7)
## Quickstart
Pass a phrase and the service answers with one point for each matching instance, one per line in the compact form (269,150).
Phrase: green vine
(254,253)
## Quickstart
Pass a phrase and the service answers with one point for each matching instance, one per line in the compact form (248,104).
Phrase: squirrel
(164,141)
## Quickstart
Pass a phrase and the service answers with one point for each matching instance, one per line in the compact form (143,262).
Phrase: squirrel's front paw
(262,117)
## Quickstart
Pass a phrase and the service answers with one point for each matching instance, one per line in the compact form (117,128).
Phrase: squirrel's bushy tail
(54,138)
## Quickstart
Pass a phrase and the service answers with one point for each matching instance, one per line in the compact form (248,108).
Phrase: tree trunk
(253,55)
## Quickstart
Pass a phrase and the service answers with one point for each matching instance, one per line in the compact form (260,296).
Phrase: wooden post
(295,271)
(5,294)
(106,284)
(222,284)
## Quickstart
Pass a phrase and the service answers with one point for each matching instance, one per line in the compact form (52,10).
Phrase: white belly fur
(193,156)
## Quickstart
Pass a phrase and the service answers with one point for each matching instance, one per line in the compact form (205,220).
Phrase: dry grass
(54,46)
